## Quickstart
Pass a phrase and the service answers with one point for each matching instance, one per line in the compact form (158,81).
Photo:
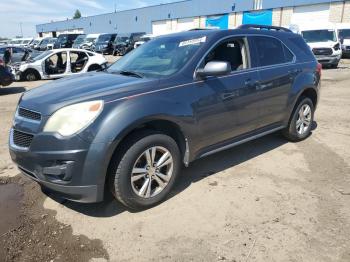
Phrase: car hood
(48,98)
(322,44)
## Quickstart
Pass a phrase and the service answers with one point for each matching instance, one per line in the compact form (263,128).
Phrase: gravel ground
(268,200)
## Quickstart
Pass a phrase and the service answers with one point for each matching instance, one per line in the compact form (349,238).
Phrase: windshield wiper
(131,73)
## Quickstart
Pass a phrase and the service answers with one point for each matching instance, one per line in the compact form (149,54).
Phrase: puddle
(10,206)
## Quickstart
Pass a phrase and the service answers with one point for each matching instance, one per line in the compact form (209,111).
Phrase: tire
(294,131)
(30,75)
(135,194)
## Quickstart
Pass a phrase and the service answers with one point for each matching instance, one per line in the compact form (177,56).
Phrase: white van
(343,30)
(324,42)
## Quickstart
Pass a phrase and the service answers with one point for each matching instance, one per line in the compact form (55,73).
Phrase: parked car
(173,100)
(36,43)
(104,44)
(324,42)
(78,41)
(143,39)
(65,41)
(58,63)
(6,77)
(19,54)
(44,42)
(89,41)
(125,43)
(51,43)
(344,37)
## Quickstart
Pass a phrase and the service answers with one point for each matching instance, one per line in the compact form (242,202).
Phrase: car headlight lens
(337,47)
(72,119)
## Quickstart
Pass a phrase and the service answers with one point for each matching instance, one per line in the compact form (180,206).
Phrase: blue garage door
(219,22)
(258,17)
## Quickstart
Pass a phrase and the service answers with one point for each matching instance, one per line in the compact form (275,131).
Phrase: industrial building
(189,14)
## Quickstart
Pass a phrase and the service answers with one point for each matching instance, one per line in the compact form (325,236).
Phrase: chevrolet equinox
(131,127)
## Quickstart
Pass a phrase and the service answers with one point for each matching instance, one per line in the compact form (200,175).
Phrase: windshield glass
(103,39)
(344,33)
(62,39)
(79,39)
(121,39)
(90,40)
(45,41)
(42,55)
(312,36)
(159,58)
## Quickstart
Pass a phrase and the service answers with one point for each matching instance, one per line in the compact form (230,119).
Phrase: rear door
(277,71)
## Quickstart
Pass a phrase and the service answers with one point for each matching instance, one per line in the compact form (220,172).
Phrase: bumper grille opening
(322,51)
(22,139)
(29,114)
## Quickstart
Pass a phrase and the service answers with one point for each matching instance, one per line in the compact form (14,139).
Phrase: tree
(77,14)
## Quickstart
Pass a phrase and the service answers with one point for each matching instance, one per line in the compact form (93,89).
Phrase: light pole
(20,26)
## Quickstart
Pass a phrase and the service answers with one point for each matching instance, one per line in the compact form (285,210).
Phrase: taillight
(319,69)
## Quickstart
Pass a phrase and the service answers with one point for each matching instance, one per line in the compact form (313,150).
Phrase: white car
(143,39)
(344,37)
(324,42)
(89,41)
(57,63)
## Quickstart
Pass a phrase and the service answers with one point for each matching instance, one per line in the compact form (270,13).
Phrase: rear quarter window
(301,48)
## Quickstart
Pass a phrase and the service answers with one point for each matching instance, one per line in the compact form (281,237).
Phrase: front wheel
(147,170)
(300,123)
(30,75)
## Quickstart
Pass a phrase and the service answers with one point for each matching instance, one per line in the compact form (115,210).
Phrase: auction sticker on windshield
(193,41)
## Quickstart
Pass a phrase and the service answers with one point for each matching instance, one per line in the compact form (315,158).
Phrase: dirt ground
(268,200)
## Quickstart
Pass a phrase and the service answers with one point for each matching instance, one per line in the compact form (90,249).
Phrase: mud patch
(28,232)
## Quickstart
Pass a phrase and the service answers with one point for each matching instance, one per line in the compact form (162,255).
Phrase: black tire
(291,132)
(30,75)
(123,163)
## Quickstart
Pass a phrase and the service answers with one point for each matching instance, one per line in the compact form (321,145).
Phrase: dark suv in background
(65,40)
(129,129)
(104,44)
(123,44)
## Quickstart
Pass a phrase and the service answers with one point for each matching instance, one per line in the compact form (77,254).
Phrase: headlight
(337,47)
(72,119)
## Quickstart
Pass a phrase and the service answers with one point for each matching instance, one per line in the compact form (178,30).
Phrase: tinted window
(288,54)
(270,51)
(344,33)
(313,36)
(298,44)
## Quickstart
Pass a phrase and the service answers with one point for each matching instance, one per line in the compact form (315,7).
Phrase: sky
(28,13)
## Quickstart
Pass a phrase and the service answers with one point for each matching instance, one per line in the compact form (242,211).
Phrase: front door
(55,66)
(229,106)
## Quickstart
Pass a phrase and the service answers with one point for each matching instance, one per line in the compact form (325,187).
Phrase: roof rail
(265,27)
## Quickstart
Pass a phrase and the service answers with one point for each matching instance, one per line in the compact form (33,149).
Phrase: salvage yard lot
(268,200)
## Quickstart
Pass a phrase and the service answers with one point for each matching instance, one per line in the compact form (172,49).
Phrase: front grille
(29,114)
(322,51)
(22,139)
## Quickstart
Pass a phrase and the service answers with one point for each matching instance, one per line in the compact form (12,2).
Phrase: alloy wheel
(304,119)
(152,172)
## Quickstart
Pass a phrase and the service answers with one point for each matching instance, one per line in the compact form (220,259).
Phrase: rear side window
(299,45)
(271,51)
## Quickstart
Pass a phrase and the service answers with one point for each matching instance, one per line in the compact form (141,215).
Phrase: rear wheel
(147,170)
(300,124)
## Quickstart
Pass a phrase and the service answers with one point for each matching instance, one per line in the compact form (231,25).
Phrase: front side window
(313,36)
(159,58)
(233,51)
(271,51)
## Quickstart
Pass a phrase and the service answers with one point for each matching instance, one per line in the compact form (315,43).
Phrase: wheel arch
(95,66)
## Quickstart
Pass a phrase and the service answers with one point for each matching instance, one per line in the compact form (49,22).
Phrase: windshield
(62,39)
(90,40)
(26,41)
(121,39)
(45,42)
(42,55)
(344,33)
(103,39)
(79,39)
(159,58)
(312,36)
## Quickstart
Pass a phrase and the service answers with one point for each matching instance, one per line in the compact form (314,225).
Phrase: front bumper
(328,60)
(73,168)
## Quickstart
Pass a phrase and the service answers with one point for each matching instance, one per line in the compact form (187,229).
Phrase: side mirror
(215,68)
